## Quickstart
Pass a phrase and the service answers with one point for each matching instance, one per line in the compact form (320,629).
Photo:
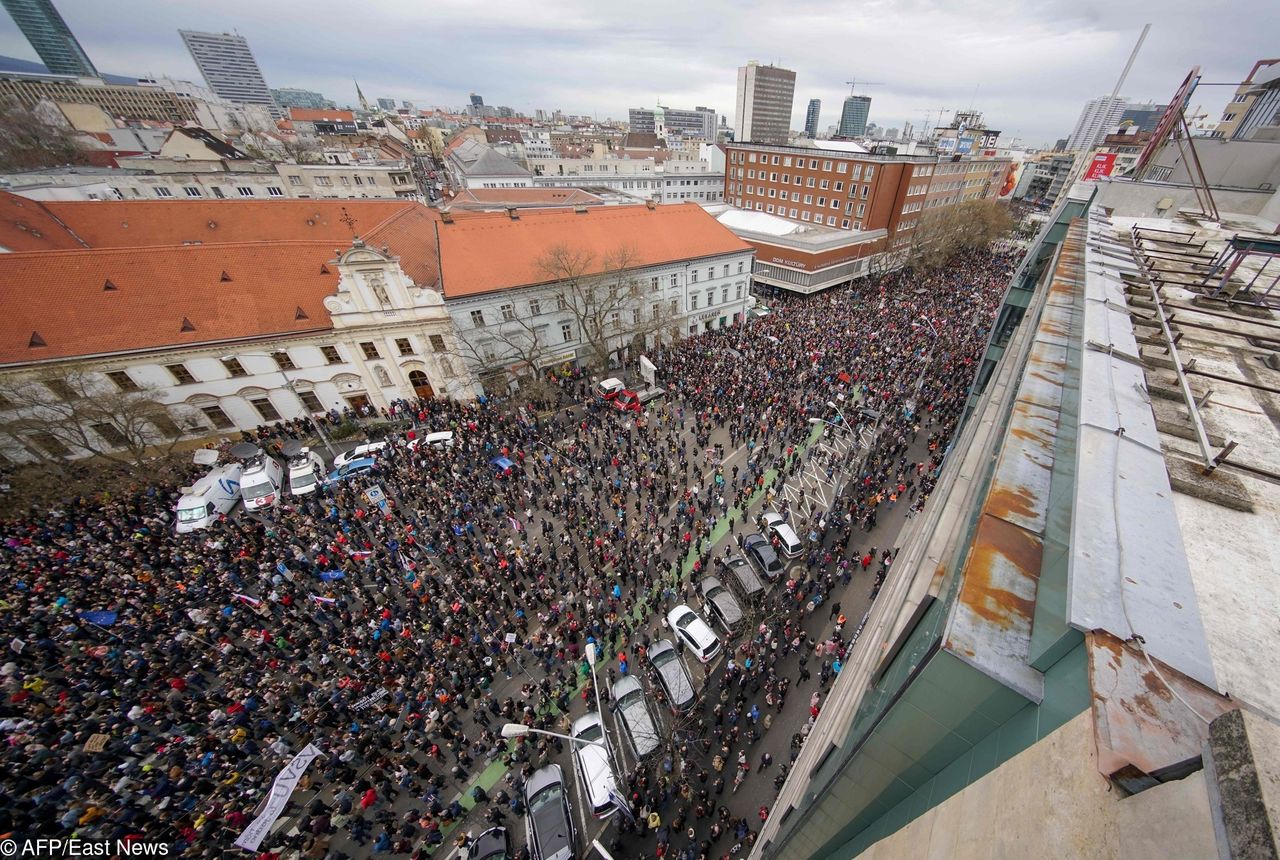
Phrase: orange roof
(525,197)
(27,225)
(156,293)
(136,223)
(320,115)
(482,253)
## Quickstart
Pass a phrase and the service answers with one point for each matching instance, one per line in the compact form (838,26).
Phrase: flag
(361,554)
(101,617)
(331,575)
(252,601)
(515,523)
(318,599)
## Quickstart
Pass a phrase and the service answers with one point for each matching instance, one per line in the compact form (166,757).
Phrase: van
(208,498)
(788,542)
(306,468)
(607,389)
(261,482)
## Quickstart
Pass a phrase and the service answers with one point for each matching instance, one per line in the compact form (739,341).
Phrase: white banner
(286,781)
(647,369)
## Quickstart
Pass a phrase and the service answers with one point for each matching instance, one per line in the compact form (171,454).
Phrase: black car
(493,844)
(742,577)
(548,818)
(763,556)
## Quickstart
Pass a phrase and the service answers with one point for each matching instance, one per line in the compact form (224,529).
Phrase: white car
(788,541)
(696,634)
(592,762)
(369,449)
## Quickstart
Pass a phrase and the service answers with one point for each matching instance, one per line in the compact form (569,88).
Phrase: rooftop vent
(513,213)
(225,277)
(186,325)
(300,314)
(36,340)
(650,204)
(581,210)
(324,269)
(109,287)
(446,216)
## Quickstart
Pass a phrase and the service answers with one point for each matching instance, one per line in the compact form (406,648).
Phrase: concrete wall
(1139,199)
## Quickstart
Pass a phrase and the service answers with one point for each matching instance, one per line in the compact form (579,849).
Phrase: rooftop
(502,198)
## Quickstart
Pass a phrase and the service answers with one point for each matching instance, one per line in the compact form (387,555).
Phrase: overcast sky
(1029,66)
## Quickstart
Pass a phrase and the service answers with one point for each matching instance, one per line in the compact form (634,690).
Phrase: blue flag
(331,575)
(101,617)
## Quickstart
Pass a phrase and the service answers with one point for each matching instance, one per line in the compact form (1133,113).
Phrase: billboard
(1102,165)
(964,146)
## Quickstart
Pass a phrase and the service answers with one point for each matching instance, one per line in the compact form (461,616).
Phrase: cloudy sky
(1028,65)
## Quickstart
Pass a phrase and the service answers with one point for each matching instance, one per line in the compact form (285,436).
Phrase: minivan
(261,482)
(668,671)
(208,498)
(788,542)
(639,726)
(607,389)
(592,761)
(720,604)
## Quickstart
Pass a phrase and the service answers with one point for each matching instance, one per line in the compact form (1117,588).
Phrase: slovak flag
(318,599)
(252,601)
(515,524)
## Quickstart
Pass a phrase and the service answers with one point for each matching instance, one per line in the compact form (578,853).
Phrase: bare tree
(28,141)
(63,413)
(949,230)
(514,347)
(612,307)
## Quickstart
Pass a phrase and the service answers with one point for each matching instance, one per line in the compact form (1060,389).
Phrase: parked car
(696,634)
(592,762)
(627,400)
(350,470)
(762,555)
(305,470)
(502,466)
(359,452)
(548,817)
(608,389)
(720,604)
(672,679)
(439,441)
(788,541)
(743,577)
(493,844)
(639,726)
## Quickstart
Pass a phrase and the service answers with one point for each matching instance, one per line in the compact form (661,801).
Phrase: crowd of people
(156,682)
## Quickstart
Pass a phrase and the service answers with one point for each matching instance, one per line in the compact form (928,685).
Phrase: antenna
(1129,65)
(854,83)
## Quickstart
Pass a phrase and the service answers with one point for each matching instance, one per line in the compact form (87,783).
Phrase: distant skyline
(1029,67)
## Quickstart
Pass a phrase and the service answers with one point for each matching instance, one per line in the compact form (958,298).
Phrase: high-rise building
(228,66)
(291,97)
(387,104)
(50,36)
(477,100)
(699,122)
(1144,116)
(1099,116)
(763,104)
(811,118)
(853,117)
(1246,96)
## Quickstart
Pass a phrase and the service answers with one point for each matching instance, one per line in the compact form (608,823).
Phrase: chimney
(650,204)
(446,216)
(513,213)
(581,210)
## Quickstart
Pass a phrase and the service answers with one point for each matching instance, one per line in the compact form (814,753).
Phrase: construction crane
(853,84)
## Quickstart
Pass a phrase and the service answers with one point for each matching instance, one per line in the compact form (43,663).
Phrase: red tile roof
(27,225)
(482,253)
(135,223)
(493,197)
(156,289)
(320,115)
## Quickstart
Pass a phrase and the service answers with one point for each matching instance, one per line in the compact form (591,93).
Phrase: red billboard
(1102,165)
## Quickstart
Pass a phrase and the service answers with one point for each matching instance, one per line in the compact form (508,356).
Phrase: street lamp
(288,383)
(833,405)
(519,730)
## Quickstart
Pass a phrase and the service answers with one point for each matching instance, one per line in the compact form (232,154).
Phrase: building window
(791,213)
(48,443)
(344,180)
(724,295)
(166,425)
(310,401)
(566,331)
(404,345)
(111,434)
(693,276)
(324,181)
(217,417)
(675,279)
(437,343)
(370,350)
(693,301)
(122,380)
(295,181)
(161,191)
(870,172)
(61,389)
(283,361)
(535,307)
(217,192)
(331,355)
(358,180)
(508,312)
(477,319)
(180,373)
(265,408)
(738,291)
(711,297)
(192,190)
(233,367)
(274,191)
(768,209)
(561,304)
(844,224)
(244,190)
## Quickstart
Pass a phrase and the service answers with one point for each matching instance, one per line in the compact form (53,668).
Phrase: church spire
(364,103)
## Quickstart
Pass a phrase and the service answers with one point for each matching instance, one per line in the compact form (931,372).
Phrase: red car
(628,401)
(608,389)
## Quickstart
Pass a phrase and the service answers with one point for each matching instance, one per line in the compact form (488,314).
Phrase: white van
(788,542)
(208,498)
(306,470)
(261,482)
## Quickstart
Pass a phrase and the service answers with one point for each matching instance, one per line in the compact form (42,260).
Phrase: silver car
(744,578)
(639,726)
(720,604)
(548,819)
(668,671)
